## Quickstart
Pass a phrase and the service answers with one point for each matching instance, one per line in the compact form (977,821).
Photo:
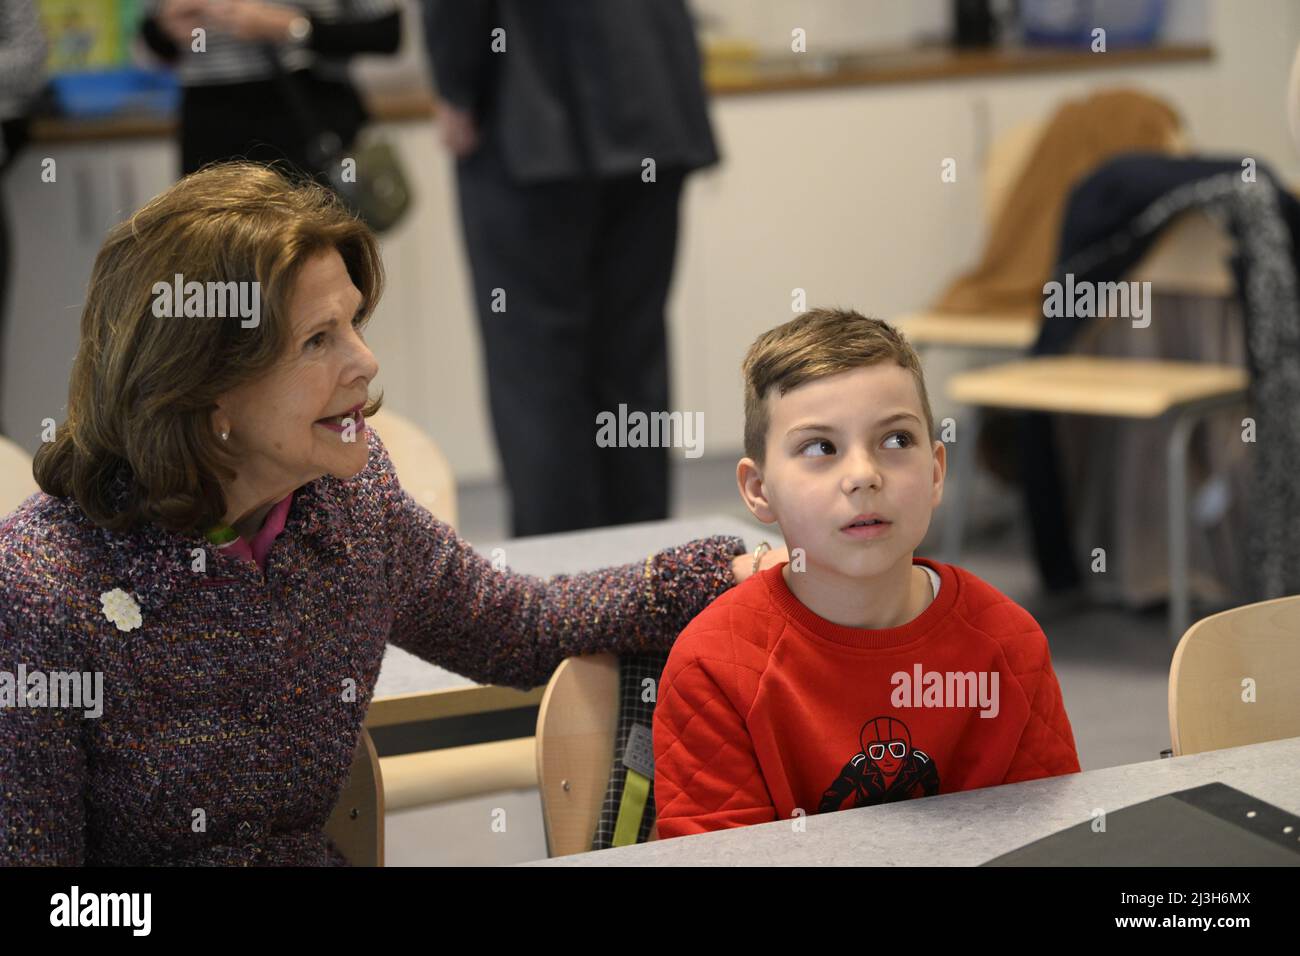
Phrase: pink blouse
(261,543)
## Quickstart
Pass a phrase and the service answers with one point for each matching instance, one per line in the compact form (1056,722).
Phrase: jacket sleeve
(457,34)
(707,776)
(42,757)
(1046,747)
(471,614)
(372,27)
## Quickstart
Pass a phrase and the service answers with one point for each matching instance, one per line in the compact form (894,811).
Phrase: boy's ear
(749,478)
(940,471)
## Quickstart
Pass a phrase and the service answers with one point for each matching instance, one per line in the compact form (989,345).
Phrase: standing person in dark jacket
(233,105)
(574,124)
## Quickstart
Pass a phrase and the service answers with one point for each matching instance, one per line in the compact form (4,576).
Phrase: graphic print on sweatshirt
(886,769)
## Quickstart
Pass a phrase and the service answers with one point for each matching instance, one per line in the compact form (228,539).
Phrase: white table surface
(971,827)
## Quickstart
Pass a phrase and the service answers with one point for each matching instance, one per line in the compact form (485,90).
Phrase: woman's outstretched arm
(457,609)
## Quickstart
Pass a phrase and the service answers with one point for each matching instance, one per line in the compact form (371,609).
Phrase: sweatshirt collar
(877,638)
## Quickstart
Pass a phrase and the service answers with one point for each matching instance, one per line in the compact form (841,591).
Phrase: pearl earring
(225,435)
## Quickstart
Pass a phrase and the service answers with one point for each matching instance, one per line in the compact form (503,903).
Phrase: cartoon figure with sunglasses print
(887,769)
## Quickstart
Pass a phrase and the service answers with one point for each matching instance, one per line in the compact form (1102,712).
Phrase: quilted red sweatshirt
(767,710)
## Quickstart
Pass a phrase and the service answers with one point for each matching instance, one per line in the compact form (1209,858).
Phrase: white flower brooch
(121,609)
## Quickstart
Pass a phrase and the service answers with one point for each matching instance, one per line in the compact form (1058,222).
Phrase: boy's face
(867,454)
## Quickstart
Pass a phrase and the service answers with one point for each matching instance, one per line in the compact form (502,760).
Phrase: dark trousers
(585,269)
(255,121)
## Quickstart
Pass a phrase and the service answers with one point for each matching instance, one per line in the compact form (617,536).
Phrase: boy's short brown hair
(811,346)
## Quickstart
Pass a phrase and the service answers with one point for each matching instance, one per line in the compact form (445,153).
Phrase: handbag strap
(321,141)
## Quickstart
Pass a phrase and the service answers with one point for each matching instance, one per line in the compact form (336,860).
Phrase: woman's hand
(743,565)
(252,19)
(179,18)
(459,132)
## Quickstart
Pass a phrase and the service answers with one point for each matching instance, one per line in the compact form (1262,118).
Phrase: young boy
(854,673)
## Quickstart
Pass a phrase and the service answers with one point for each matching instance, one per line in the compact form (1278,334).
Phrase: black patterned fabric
(1113,217)
(633,674)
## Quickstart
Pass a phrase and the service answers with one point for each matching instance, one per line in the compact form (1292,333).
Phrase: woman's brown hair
(143,388)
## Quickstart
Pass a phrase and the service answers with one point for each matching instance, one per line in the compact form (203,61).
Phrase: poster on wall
(88,34)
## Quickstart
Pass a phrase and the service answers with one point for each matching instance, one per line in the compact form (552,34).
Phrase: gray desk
(403,674)
(972,827)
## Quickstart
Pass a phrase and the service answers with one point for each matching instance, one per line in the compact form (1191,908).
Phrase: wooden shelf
(731,76)
(804,71)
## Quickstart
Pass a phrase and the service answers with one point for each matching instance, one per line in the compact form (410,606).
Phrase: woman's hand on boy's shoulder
(743,565)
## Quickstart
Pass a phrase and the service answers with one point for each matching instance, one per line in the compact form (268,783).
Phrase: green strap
(631,808)
(221,535)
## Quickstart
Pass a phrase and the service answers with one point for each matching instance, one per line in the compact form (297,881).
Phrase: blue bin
(95,93)
(1071,22)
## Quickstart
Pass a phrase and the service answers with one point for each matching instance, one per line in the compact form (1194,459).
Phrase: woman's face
(275,422)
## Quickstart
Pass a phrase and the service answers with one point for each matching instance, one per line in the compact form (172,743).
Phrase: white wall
(837,24)
(855,24)
(836,192)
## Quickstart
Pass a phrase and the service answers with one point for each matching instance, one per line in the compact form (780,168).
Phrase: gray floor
(1112,665)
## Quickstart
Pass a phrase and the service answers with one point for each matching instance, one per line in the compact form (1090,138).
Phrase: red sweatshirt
(766,709)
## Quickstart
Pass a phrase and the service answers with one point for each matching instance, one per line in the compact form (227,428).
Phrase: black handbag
(374,187)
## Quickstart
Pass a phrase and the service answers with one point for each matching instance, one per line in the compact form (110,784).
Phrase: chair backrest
(577,723)
(1189,257)
(1009,152)
(1006,157)
(357,824)
(16,481)
(421,466)
(1235,678)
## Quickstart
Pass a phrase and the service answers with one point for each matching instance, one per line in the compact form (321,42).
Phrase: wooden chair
(1208,709)
(16,481)
(1189,257)
(576,727)
(992,332)
(432,777)
(1100,385)
(357,824)
(420,464)
(429,777)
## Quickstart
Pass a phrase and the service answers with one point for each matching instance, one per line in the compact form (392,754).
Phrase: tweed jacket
(232,699)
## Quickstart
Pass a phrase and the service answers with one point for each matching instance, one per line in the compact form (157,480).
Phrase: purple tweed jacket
(231,712)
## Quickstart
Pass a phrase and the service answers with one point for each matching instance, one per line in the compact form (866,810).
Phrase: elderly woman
(222,538)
